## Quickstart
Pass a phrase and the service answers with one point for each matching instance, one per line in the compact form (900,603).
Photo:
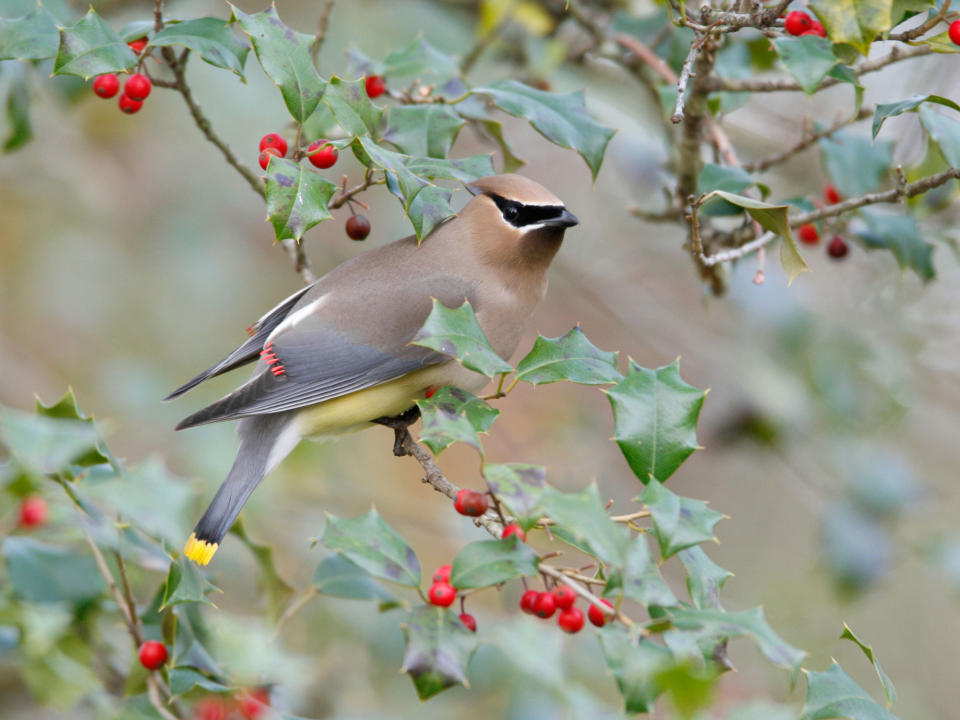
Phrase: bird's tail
(265,440)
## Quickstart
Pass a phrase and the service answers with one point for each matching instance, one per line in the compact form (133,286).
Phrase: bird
(337,355)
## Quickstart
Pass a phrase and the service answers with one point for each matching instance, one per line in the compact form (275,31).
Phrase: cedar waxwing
(336,355)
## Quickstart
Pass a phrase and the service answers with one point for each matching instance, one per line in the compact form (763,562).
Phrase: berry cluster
(837,248)
(249,705)
(799,23)
(135,90)
(442,594)
(563,598)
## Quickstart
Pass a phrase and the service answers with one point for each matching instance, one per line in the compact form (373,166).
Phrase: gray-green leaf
(453,415)
(376,547)
(91,47)
(439,647)
(491,562)
(211,38)
(833,694)
(678,522)
(457,333)
(570,357)
(297,198)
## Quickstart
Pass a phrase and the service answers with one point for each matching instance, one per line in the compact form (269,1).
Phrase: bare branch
(677,116)
(323,22)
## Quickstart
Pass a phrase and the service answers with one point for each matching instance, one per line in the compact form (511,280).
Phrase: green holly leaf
(339,577)
(211,38)
(456,332)
(724,177)
(185,679)
(376,547)
(351,106)
(748,623)
(32,37)
(517,485)
(655,414)
(19,130)
(422,61)
(584,516)
(475,108)
(45,444)
(186,583)
(899,234)
(640,578)
(885,681)
(941,43)
(465,170)
(297,198)
(678,522)
(429,208)
(809,59)
(42,573)
(270,583)
(854,164)
(453,415)
(570,357)
(773,218)
(562,118)
(439,647)
(705,578)
(492,562)
(636,664)
(407,182)
(854,22)
(833,694)
(66,409)
(427,130)
(944,131)
(285,57)
(91,47)
(893,109)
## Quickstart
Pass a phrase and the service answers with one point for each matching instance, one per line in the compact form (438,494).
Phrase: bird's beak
(563,220)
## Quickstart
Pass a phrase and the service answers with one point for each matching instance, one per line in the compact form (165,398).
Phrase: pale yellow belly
(355,411)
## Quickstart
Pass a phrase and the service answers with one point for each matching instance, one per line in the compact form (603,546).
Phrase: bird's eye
(510,213)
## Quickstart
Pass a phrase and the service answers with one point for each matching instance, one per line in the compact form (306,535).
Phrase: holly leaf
(636,664)
(900,235)
(46,445)
(439,647)
(941,43)
(888,688)
(465,169)
(773,218)
(517,485)
(705,578)
(186,583)
(944,131)
(453,415)
(428,209)
(42,573)
(408,183)
(854,22)
(562,118)
(297,198)
(422,61)
(584,516)
(854,164)
(19,130)
(456,332)
(339,577)
(427,130)
(640,578)
(351,106)
(91,47)
(655,415)
(370,543)
(211,38)
(887,110)
(277,590)
(284,55)
(678,522)
(833,694)
(748,623)
(32,37)
(570,357)
(492,562)
(809,59)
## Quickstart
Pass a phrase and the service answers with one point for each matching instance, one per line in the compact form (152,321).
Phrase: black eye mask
(520,215)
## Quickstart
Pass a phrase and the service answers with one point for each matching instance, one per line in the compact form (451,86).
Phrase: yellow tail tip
(200,551)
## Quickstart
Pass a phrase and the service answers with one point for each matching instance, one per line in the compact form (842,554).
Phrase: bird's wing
(249,350)
(346,340)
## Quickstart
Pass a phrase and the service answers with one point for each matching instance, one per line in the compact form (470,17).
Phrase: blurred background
(132,256)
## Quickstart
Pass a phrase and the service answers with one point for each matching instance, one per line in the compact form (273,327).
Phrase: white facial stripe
(293,319)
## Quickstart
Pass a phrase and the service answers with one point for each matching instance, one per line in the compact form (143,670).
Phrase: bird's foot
(400,423)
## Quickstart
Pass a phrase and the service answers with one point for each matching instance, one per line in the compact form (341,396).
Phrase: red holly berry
(33,511)
(816,28)
(358,227)
(797,22)
(375,86)
(211,708)
(545,605)
(153,654)
(442,575)
(571,620)
(471,503)
(273,140)
(442,594)
(137,87)
(808,234)
(252,704)
(470,621)
(837,249)
(830,194)
(266,155)
(137,45)
(954,32)
(564,596)
(106,86)
(527,601)
(514,529)
(597,616)
(321,154)
(129,105)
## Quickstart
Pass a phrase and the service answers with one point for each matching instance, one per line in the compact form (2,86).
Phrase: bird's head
(518,220)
